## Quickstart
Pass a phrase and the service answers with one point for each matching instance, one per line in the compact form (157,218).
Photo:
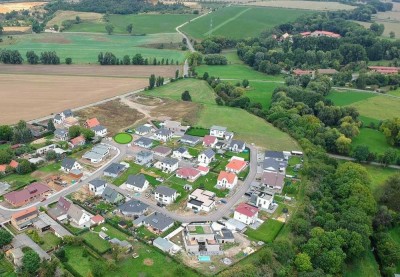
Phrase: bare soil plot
(16,30)
(61,16)
(33,96)
(8,7)
(303,5)
(131,71)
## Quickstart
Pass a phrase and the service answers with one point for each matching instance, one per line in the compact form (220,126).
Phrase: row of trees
(109,58)
(15,57)
(155,81)
(215,59)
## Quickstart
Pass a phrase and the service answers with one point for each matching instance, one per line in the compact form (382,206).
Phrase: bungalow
(97,220)
(262,200)
(181,153)
(299,72)
(31,192)
(92,122)
(76,142)
(79,216)
(133,208)
(276,155)
(158,222)
(111,195)
(100,131)
(246,213)
(97,186)
(236,165)
(143,129)
(59,212)
(227,180)
(272,165)
(210,141)
(201,200)
(175,127)
(97,153)
(167,165)
(61,134)
(237,146)
(164,245)
(69,164)
(190,140)
(273,180)
(188,173)
(144,157)
(220,132)
(165,195)
(162,151)
(163,134)
(137,183)
(206,157)
(113,170)
(22,219)
(144,142)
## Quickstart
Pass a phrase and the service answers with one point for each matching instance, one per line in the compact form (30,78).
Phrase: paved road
(365,91)
(339,157)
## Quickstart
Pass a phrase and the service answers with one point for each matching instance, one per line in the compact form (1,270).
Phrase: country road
(345,158)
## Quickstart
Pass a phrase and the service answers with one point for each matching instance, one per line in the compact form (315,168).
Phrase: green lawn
(132,170)
(375,140)
(142,23)
(112,232)
(84,48)
(379,174)
(53,167)
(6,268)
(349,97)
(267,232)
(96,241)
(394,92)
(363,266)
(50,241)
(395,235)
(199,132)
(380,107)
(82,265)
(122,138)
(240,21)
(261,92)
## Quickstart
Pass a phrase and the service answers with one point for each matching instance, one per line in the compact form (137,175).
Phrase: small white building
(201,200)
(206,157)
(69,164)
(100,131)
(167,165)
(163,134)
(246,213)
(227,180)
(137,183)
(165,195)
(97,186)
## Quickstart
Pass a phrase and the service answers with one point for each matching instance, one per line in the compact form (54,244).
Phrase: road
(345,158)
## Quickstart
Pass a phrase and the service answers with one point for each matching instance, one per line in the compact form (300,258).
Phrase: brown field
(8,7)
(303,5)
(16,30)
(33,96)
(130,71)
(60,16)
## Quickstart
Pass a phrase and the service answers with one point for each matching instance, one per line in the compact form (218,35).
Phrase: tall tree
(129,28)
(31,262)
(152,81)
(50,125)
(109,28)
(5,237)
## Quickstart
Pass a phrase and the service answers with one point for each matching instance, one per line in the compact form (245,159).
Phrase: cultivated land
(303,5)
(84,48)
(239,22)
(53,94)
(8,7)
(61,16)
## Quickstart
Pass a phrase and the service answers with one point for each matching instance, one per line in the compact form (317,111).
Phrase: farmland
(8,7)
(61,16)
(239,22)
(303,5)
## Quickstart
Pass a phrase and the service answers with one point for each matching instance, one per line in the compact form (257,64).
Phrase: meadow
(348,97)
(374,139)
(239,21)
(304,5)
(267,232)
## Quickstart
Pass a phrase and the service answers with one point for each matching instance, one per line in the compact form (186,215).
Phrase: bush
(186,96)
(68,60)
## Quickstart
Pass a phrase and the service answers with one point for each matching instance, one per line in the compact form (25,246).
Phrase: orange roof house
(227,180)
(235,165)
(92,122)
(14,164)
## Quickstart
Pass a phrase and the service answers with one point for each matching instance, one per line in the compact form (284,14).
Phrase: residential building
(227,180)
(175,127)
(144,157)
(158,222)
(165,195)
(164,245)
(111,195)
(59,212)
(97,220)
(327,71)
(34,191)
(67,113)
(58,119)
(79,216)
(61,134)
(97,186)
(167,165)
(236,165)
(45,221)
(190,174)
(137,183)
(133,208)
(201,200)
(273,180)
(263,199)
(385,69)
(69,164)
(51,147)
(113,170)
(203,170)
(181,153)
(100,131)
(92,122)
(22,219)
(206,157)
(300,72)
(272,165)
(143,129)
(218,131)
(144,142)
(276,155)
(76,142)
(210,141)
(162,151)
(163,134)
(97,153)
(237,146)
(190,140)
(246,213)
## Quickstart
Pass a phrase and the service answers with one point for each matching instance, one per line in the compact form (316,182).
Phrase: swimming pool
(204,259)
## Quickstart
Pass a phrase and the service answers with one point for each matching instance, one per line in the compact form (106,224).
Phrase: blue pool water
(204,259)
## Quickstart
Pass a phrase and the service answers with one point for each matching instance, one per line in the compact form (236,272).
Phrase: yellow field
(302,5)
(15,30)
(61,16)
(8,7)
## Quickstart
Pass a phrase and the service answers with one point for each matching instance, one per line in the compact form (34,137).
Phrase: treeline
(15,57)
(109,58)
(214,45)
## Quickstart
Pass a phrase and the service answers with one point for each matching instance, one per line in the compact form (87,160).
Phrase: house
(175,127)
(137,183)
(59,212)
(45,221)
(273,180)
(51,147)
(276,155)
(236,165)
(190,140)
(167,165)
(133,208)
(220,132)
(203,170)
(210,141)
(272,165)
(143,129)
(111,195)
(224,236)
(262,199)
(201,200)
(58,119)
(22,219)
(100,131)
(97,186)
(237,146)
(227,180)
(202,239)
(246,213)
(144,142)
(79,216)
(97,153)
(61,134)
(165,195)
(164,245)
(92,122)
(144,157)
(206,157)
(14,164)
(162,151)
(41,225)
(69,164)
(163,134)
(319,33)
(188,173)
(384,69)
(66,114)
(113,170)
(76,142)
(299,72)
(181,153)
(97,220)
(158,222)
(34,191)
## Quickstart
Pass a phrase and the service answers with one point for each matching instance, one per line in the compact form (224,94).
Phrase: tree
(31,57)
(152,81)
(129,28)
(177,74)
(24,167)
(109,28)
(186,96)
(303,262)
(117,251)
(87,133)
(56,27)
(205,76)
(77,19)
(392,34)
(68,60)
(194,59)
(5,237)
(360,153)
(37,27)
(74,131)
(126,60)
(245,83)
(388,157)
(21,133)
(6,132)
(390,193)
(391,130)
(343,144)
(48,269)
(31,262)
(50,126)
(51,155)
(1,29)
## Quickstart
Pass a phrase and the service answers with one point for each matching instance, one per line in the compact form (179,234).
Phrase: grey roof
(136,180)
(68,113)
(238,224)
(57,117)
(100,149)
(209,153)
(97,183)
(54,225)
(181,150)
(75,212)
(163,244)
(195,202)
(163,132)
(219,128)
(123,243)
(274,154)
(133,206)
(61,132)
(143,129)
(92,156)
(271,163)
(110,194)
(170,161)
(239,143)
(225,234)
(114,168)
(98,128)
(190,139)
(165,191)
(144,154)
(158,221)
(68,163)
(143,141)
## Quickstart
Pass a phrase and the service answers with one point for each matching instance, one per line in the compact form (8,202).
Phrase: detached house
(133,208)
(99,131)
(237,146)
(143,129)
(61,134)
(111,195)
(76,142)
(79,216)
(190,140)
(167,165)
(144,157)
(181,153)
(97,186)
(143,142)
(262,200)
(246,213)
(165,195)
(201,200)
(163,134)
(92,122)
(236,165)
(210,141)
(273,180)
(114,170)
(227,180)
(59,212)
(206,157)
(220,132)
(188,173)
(69,164)
(158,222)
(137,183)
(24,218)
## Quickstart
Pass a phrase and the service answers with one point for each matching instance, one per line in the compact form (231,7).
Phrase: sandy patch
(8,7)
(148,262)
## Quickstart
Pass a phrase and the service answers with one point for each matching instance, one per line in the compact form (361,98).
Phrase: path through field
(226,22)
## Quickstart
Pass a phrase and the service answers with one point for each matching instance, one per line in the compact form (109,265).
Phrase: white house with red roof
(227,180)
(246,213)
(236,165)
(210,141)
(188,173)
(76,142)
(97,220)
(203,170)
(92,122)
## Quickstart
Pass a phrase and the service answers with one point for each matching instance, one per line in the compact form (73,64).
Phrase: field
(379,175)
(239,21)
(61,16)
(347,98)
(267,232)
(94,240)
(8,7)
(363,266)
(16,30)
(56,93)
(84,48)
(303,5)
(375,140)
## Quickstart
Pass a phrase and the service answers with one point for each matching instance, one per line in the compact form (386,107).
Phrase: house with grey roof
(137,183)
(97,186)
(111,195)
(167,165)
(162,151)
(176,127)
(144,157)
(190,140)
(165,195)
(97,153)
(237,146)
(163,134)
(273,180)
(78,216)
(67,113)
(220,132)
(69,164)
(163,244)
(276,155)
(57,119)
(113,170)
(61,134)
(272,165)
(158,222)
(143,129)
(206,157)
(262,200)
(99,131)
(59,212)
(181,153)
(144,142)
(133,208)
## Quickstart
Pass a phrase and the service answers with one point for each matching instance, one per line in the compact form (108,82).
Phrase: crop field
(239,21)
(8,7)
(84,48)
(61,16)
(303,5)
(53,94)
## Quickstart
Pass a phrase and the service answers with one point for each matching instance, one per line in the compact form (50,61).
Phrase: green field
(84,48)
(246,126)
(240,21)
(96,242)
(112,232)
(261,92)
(142,23)
(363,266)
(379,175)
(349,97)
(77,261)
(375,140)
(267,232)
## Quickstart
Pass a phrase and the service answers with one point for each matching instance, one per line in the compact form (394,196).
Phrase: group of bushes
(109,58)
(46,57)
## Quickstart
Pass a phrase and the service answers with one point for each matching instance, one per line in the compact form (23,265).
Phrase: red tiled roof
(21,196)
(3,167)
(187,172)
(23,213)
(384,67)
(236,165)
(97,218)
(14,164)
(228,176)
(305,33)
(247,209)
(209,140)
(203,168)
(77,140)
(90,123)
(302,72)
